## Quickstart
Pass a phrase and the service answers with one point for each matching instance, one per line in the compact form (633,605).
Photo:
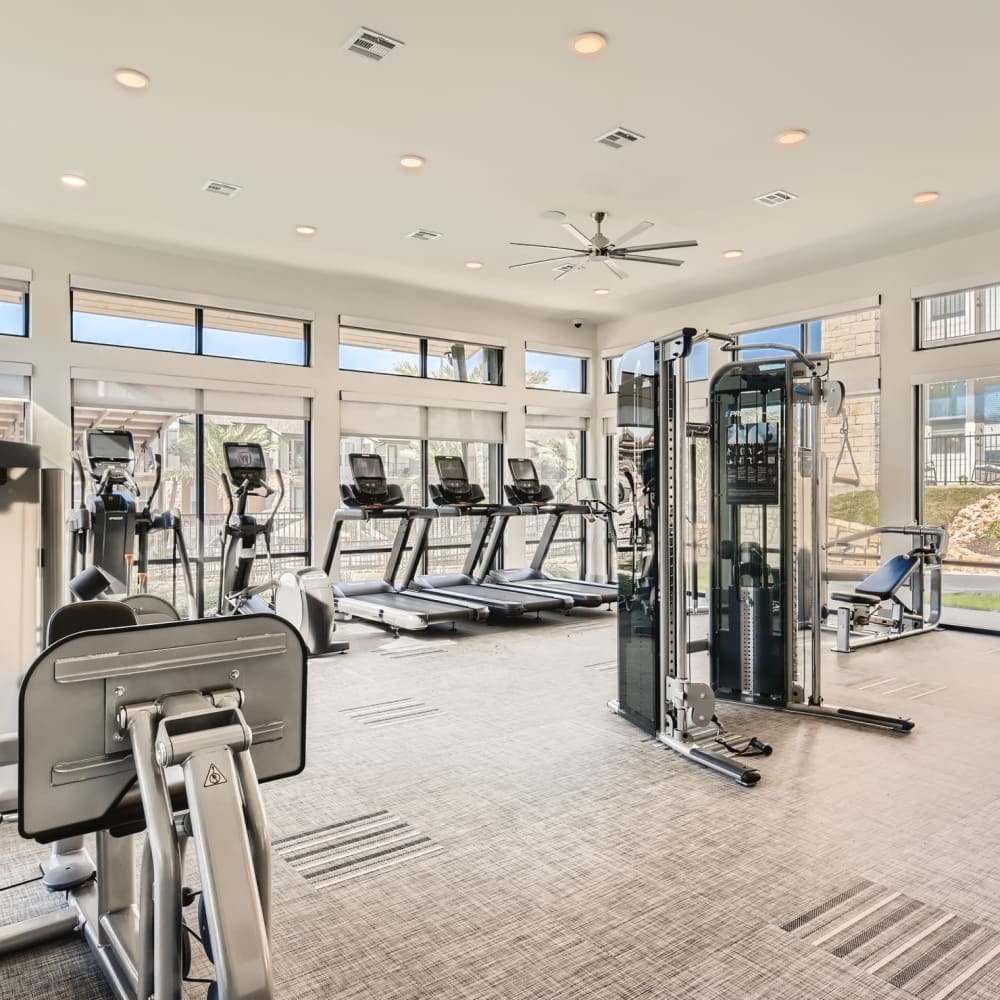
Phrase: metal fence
(961,459)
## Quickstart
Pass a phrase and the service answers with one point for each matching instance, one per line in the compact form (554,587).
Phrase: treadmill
(530,497)
(371,498)
(457,497)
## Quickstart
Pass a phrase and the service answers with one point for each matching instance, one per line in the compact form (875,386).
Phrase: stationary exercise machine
(300,596)
(109,532)
(456,496)
(369,497)
(528,496)
(763,643)
(167,729)
(900,599)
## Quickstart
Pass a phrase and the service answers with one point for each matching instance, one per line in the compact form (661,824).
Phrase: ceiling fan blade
(569,270)
(659,246)
(615,269)
(633,232)
(643,259)
(576,234)
(546,246)
(547,260)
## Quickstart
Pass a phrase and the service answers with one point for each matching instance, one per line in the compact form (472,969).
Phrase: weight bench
(858,607)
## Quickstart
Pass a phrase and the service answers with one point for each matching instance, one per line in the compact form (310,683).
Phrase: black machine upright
(300,596)
(109,532)
(765,609)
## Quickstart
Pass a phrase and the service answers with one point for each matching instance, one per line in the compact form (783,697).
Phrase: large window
(973,314)
(190,443)
(846,335)
(381,353)
(560,372)
(14,408)
(558,455)
(959,456)
(151,324)
(13,309)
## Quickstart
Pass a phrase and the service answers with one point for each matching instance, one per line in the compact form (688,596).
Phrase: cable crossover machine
(767,528)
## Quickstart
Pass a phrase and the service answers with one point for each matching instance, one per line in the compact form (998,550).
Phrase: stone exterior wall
(853,335)
(862,427)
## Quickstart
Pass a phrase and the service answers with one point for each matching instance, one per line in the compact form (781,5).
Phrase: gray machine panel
(75,767)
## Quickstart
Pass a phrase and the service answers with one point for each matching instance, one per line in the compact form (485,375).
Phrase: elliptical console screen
(110,446)
(452,473)
(244,459)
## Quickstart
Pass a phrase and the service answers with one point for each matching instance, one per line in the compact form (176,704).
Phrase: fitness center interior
(499,501)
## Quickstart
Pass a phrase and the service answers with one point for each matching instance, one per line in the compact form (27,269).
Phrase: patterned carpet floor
(474,823)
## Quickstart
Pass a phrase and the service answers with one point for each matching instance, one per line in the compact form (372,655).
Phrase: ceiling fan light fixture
(602,291)
(589,43)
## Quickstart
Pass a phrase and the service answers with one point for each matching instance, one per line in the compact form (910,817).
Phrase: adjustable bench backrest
(889,577)
(76,770)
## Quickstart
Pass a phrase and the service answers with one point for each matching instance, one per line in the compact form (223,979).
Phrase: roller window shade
(382,420)
(444,424)
(556,421)
(15,387)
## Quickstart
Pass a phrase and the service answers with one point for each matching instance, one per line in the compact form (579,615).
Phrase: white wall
(52,258)
(954,265)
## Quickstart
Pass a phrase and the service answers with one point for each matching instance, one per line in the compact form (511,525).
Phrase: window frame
(970,338)
(584,372)
(199,328)
(422,354)
(25,294)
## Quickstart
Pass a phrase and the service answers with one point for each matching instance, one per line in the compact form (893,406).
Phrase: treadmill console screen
(244,460)
(366,468)
(115,447)
(525,476)
(453,474)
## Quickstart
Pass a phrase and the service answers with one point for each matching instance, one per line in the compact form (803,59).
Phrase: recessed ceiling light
(732,254)
(74,181)
(792,136)
(473,265)
(133,79)
(602,291)
(589,43)
(411,161)
(306,230)
(925,197)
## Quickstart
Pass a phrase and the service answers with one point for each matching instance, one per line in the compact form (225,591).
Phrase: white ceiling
(898,95)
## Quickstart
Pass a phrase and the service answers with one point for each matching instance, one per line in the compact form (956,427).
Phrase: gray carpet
(473,822)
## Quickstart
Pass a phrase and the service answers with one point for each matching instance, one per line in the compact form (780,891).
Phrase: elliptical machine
(109,532)
(301,596)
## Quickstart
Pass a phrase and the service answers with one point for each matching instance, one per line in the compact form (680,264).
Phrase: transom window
(152,324)
(13,308)
(973,314)
(561,372)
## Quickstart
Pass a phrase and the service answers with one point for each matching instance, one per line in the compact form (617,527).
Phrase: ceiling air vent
(423,234)
(371,44)
(221,188)
(619,138)
(563,268)
(775,198)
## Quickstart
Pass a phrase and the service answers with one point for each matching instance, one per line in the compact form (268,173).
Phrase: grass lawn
(941,503)
(974,602)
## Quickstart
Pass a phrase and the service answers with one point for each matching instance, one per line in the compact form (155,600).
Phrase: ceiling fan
(598,247)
